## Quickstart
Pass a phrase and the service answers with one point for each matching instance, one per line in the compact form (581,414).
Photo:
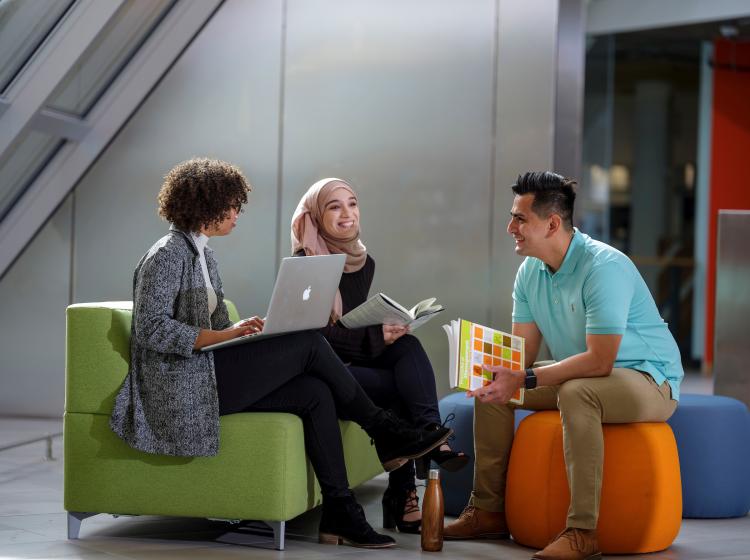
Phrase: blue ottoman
(713,442)
(457,485)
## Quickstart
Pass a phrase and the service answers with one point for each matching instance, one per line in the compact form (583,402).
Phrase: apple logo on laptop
(306,293)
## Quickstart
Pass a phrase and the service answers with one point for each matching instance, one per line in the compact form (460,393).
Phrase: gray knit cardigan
(168,403)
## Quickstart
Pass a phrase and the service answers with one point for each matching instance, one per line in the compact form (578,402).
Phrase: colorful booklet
(473,346)
(382,310)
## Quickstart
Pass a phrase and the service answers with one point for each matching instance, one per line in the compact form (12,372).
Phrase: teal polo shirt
(597,290)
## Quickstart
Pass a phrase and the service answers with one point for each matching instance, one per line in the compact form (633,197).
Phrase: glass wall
(592,207)
(107,55)
(22,162)
(640,154)
(24,26)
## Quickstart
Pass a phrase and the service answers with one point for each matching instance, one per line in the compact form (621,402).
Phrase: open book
(382,310)
(472,346)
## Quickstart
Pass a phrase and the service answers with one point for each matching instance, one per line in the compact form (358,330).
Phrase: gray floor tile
(28,502)
(33,524)
(46,525)
(56,549)
(17,536)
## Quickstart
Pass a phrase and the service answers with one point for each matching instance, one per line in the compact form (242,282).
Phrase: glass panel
(23,27)
(21,163)
(641,125)
(107,55)
(592,204)
(657,80)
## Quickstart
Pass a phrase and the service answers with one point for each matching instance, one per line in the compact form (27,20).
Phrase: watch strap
(530,380)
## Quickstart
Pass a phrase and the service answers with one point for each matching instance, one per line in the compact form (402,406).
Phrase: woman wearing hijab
(173,395)
(389,363)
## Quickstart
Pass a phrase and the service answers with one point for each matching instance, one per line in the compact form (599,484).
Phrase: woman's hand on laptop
(249,326)
(207,337)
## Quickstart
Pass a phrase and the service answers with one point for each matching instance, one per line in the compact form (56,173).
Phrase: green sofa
(261,472)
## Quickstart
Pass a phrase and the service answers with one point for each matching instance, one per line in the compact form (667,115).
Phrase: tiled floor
(33,522)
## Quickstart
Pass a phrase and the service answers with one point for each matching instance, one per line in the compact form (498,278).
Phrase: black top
(355,345)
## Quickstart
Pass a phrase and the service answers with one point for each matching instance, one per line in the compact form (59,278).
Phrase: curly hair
(200,192)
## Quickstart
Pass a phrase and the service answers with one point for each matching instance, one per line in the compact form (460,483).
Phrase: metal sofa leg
(74,522)
(279,529)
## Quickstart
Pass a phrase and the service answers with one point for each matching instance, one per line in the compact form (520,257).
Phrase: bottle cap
(434,474)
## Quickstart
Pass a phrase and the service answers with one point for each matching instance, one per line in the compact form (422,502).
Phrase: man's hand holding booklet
(473,349)
(382,310)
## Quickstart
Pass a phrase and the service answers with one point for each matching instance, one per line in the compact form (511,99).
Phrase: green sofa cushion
(98,352)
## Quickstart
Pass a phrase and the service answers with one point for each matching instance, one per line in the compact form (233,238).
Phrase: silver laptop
(302,297)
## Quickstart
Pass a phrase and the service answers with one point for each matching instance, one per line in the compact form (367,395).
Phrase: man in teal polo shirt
(615,361)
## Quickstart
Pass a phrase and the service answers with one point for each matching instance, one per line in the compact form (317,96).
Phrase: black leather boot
(343,522)
(396,442)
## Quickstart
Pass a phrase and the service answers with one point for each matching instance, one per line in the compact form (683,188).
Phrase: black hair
(553,194)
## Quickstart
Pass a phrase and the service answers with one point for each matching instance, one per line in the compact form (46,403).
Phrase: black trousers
(401,379)
(297,373)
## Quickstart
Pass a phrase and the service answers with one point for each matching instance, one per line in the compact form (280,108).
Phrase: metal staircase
(76,72)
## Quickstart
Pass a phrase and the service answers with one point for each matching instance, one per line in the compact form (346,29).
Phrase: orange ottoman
(641,502)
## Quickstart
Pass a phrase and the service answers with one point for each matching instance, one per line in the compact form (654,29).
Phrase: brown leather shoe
(475,523)
(572,544)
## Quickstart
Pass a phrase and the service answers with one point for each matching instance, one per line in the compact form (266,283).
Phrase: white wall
(430,107)
(33,296)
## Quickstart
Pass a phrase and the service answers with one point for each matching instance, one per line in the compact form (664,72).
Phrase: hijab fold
(309,234)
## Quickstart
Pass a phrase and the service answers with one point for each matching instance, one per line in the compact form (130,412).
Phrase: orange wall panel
(730,156)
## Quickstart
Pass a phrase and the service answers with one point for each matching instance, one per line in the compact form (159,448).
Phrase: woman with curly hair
(173,395)
(386,360)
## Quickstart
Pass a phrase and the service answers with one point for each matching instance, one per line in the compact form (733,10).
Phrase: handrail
(48,438)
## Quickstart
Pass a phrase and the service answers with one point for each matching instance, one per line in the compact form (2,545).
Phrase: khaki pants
(624,396)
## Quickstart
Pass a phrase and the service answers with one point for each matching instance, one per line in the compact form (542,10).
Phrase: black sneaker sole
(396,462)
(454,464)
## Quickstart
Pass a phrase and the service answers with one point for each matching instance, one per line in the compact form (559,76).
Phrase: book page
(375,311)
(396,305)
(452,332)
(424,306)
(418,322)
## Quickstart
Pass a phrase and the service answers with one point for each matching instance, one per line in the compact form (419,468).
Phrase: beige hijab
(308,232)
